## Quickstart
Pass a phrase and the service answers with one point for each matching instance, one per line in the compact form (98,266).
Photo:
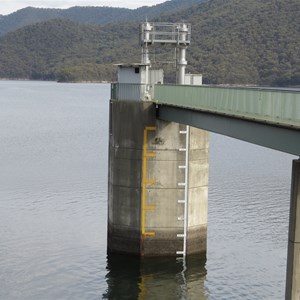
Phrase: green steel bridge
(263,116)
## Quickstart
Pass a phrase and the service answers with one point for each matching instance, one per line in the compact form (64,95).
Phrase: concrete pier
(293,261)
(147,183)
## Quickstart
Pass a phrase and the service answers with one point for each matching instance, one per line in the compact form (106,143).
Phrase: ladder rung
(149,233)
(182,149)
(182,167)
(150,207)
(181,183)
(150,128)
(150,154)
(183,132)
(180,235)
(149,181)
(181,201)
(180,252)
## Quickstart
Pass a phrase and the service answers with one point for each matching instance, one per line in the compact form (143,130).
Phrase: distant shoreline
(80,81)
(297,87)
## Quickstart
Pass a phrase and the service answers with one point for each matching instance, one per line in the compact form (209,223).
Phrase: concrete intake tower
(158,171)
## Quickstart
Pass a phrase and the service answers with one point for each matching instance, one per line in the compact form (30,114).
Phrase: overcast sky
(9,6)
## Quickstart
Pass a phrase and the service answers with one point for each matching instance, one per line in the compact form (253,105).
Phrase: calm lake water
(53,209)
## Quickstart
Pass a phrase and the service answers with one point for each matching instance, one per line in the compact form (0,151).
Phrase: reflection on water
(155,278)
(122,277)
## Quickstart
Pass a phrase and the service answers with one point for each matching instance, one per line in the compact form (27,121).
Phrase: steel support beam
(263,134)
(293,259)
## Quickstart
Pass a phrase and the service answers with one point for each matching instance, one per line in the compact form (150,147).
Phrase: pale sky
(9,6)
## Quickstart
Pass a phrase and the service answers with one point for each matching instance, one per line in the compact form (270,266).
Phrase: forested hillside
(251,41)
(233,41)
(64,50)
(90,15)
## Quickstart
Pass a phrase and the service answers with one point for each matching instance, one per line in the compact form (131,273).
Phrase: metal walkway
(263,116)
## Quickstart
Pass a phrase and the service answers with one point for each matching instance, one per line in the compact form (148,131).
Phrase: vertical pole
(182,38)
(145,39)
(293,260)
(181,65)
(147,29)
(144,178)
(186,190)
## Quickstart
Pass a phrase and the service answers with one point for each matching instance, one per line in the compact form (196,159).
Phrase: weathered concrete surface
(293,261)
(127,122)
(165,193)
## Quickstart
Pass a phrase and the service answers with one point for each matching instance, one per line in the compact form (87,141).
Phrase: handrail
(131,91)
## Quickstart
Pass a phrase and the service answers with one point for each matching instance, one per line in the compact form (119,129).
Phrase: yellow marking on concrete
(142,292)
(144,174)
(150,181)
(149,233)
(153,128)
(150,207)
(145,181)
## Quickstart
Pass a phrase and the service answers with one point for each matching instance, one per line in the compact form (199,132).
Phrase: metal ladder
(184,184)
(145,182)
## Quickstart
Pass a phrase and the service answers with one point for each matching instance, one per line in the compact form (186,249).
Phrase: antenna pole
(182,46)
(146,29)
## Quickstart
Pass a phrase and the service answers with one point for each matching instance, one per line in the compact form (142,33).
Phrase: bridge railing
(131,91)
(281,107)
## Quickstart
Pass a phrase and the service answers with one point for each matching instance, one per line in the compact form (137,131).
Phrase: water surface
(53,209)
